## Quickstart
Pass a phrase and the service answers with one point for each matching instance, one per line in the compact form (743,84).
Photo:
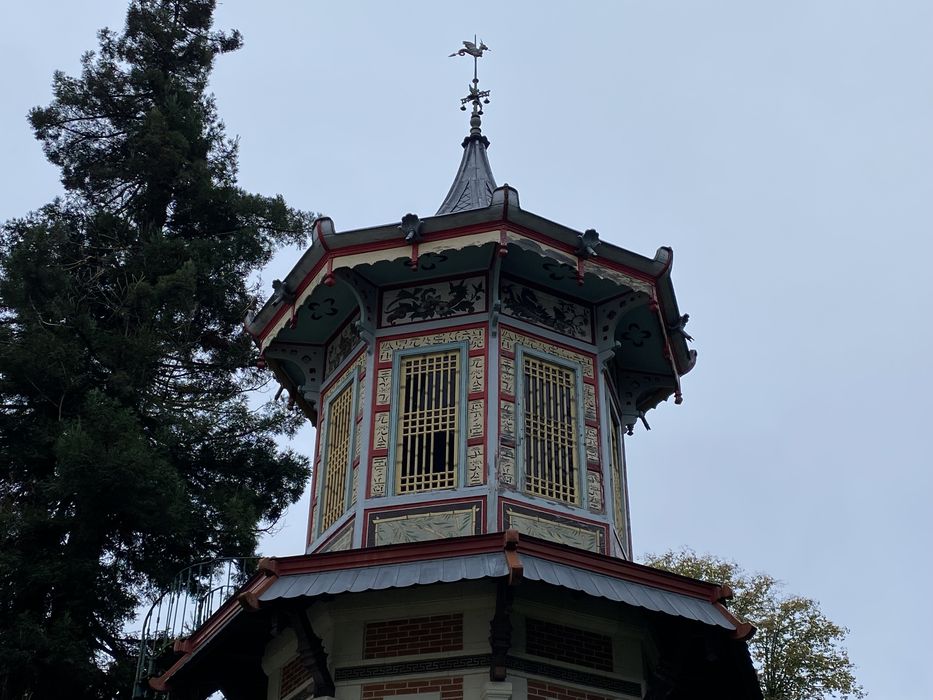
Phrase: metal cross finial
(476,96)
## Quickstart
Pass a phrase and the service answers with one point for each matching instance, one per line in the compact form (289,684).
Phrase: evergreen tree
(128,448)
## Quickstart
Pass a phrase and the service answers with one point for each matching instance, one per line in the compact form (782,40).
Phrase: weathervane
(476,96)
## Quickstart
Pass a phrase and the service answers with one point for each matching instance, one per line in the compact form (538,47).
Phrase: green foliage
(798,652)
(128,448)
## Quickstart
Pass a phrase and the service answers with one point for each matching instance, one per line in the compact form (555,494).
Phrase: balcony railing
(196,593)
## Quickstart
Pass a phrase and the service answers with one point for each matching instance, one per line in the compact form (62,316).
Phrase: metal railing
(196,593)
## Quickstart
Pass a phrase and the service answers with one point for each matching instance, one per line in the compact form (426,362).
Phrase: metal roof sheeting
(639,595)
(378,578)
(493,565)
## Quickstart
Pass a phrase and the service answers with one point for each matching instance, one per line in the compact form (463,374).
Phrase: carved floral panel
(418,527)
(555,529)
(341,542)
(341,346)
(434,301)
(544,309)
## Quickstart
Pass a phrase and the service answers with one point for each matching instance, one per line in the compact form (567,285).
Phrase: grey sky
(784,150)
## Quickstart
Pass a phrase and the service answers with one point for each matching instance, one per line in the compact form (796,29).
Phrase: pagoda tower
(472,377)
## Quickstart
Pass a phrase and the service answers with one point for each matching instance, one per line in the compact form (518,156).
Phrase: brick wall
(414,635)
(568,644)
(449,688)
(294,674)
(542,690)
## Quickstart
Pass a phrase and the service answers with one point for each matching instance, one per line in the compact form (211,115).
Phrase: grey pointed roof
(472,187)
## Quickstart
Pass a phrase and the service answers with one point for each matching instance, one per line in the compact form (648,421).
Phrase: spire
(473,185)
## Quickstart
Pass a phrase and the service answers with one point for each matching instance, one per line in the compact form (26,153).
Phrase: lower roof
(497,556)
(494,565)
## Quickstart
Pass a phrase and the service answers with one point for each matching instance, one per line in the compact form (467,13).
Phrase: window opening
(550,422)
(337,458)
(428,418)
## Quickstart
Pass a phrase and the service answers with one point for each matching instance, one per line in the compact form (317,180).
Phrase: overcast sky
(783,149)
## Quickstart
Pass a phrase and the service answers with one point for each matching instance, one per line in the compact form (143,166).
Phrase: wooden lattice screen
(337,459)
(550,443)
(428,422)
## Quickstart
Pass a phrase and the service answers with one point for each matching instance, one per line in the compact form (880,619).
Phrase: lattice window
(337,459)
(427,448)
(550,422)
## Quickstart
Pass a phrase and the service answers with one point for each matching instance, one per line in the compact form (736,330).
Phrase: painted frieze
(381,431)
(475,412)
(418,525)
(476,465)
(510,338)
(475,337)
(543,309)
(432,301)
(383,387)
(340,347)
(592,444)
(507,421)
(477,374)
(589,402)
(594,491)
(507,465)
(507,376)
(341,542)
(555,528)
(617,504)
(378,474)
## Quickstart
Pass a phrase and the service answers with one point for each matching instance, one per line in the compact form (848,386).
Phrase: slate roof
(474,183)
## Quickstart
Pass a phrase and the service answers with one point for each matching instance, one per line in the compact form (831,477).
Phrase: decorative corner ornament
(281,293)
(494,318)
(589,241)
(678,327)
(366,335)
(411,227)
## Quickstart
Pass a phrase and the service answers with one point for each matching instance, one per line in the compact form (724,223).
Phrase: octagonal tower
(473,371)
(472,376)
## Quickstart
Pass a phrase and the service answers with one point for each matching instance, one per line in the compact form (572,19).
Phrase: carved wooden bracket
(609,314)
(500,632)
(312,654)
(367,298)
(632,387)
(308,360)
